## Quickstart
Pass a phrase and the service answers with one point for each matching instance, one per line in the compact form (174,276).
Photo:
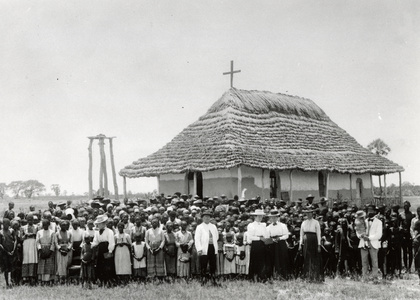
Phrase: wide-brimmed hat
(207,213)
(309,197)
(101,219)
(360,214)
(308,210)
(258,212)
(323,200)
(273,213)
(299,200)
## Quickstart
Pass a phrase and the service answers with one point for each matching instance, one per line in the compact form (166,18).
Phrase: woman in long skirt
(122,254)
(45,243)
(104,244)
(170,250)
(155,241)
(30,251)
(310,243)
(64,244)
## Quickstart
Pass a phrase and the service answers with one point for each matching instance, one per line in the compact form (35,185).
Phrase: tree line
(26,188)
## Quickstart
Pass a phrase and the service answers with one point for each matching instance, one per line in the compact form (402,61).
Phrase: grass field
(332,289)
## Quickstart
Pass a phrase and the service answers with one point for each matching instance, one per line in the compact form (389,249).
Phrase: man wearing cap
(372,236)
(206,236)
(257,234)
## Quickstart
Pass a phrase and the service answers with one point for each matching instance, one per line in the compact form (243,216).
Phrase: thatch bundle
(262,130)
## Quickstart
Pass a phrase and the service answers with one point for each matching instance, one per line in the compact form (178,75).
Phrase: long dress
(312,266)
(155,262)
(64,240)
(139,266)
(170,254)
(45,240)
(7,240)
(183,241)
(105,243)
(194,260)
(122,254)
(30,251)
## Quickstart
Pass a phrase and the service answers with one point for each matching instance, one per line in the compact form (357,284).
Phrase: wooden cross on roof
(231,73)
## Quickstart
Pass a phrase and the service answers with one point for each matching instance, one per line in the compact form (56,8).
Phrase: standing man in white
(206,236)
(372,236)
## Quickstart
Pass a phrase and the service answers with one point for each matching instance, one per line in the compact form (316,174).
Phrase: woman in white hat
(257,233)
(104,240)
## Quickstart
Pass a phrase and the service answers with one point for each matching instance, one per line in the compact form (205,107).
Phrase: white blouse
(310,226)
(255,230)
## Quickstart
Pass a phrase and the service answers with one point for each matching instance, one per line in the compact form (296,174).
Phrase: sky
(142,71)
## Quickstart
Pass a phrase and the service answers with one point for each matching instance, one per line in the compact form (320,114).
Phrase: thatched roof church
(274,145)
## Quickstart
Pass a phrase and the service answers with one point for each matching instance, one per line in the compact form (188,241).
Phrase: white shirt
(255,230)
(202,237)
(280,230)
(106,236)
(310,226)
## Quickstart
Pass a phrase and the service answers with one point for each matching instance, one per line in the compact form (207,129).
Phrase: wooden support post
(186,183)
(114,175)
(371,187)
(105,173)
(278,193)
(327,184)
(239,181)
(385,189)
(351,187)
(90,169)
(125,186)
(195,185)
(262,186)
(291,187)
(400,180)
(101,170)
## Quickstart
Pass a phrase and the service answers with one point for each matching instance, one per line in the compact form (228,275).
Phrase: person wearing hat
(406,243)
(310,203)
(105,244)
(206,235)
(279,232)
(310,243)
(372,235)
(257,234)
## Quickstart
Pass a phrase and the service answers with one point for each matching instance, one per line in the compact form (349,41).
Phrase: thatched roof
(263,130)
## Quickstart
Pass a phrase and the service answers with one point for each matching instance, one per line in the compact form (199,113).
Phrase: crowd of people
(108,243)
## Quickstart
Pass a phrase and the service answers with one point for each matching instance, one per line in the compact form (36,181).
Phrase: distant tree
(3,187)
(379,147)
(32,187)
(65,193)
(56,189)
(16,187)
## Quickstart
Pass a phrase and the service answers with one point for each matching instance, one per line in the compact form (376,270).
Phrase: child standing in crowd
(139,251)
(122,254)
(360,226)
(30,252)
(87,273)
(220,269)
(7,250)
(229,253)
(64,244)
(184,243)
(45,242)
(240,254)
